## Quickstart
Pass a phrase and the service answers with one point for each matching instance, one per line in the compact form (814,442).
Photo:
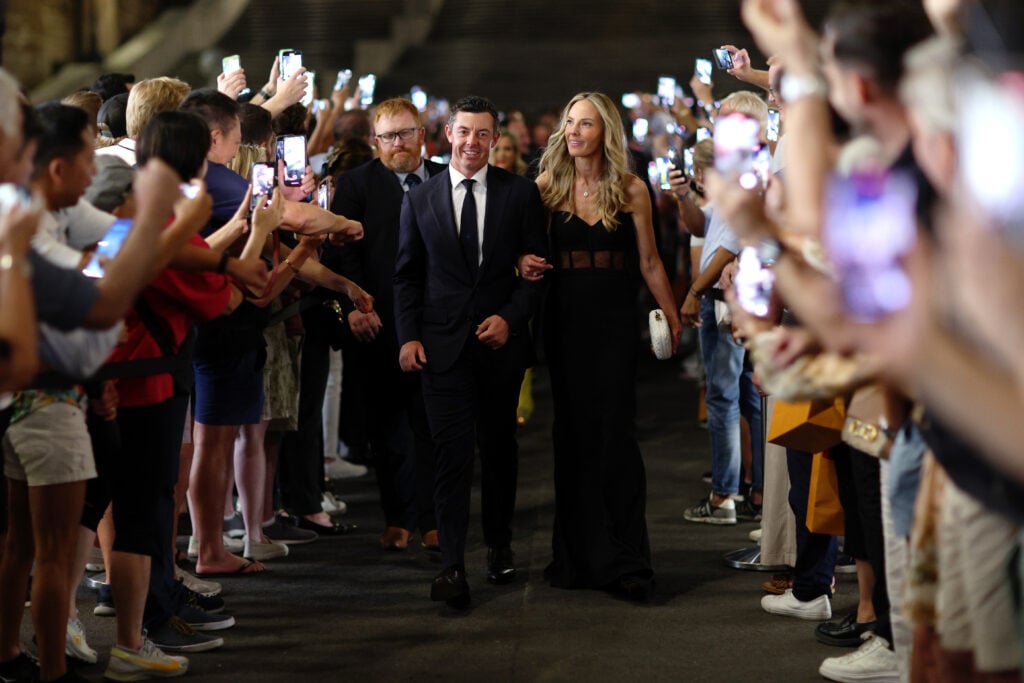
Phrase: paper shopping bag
(811,426)
(824,511)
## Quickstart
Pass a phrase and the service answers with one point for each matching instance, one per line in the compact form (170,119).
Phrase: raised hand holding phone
(269,215)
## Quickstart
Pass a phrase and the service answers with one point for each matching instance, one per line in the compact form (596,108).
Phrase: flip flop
(243,570)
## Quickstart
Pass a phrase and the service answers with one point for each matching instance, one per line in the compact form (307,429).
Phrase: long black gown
(600,533)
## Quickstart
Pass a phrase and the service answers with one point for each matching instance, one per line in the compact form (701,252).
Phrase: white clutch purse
(661,337)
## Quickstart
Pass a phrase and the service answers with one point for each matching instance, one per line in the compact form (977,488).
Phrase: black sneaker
(746,509)
(21,668)
(104,602)
(212,605)
(177,636)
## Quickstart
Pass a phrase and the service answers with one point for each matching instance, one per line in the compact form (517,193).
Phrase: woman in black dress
(601,240)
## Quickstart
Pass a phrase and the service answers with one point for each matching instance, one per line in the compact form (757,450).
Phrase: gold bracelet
(291,265)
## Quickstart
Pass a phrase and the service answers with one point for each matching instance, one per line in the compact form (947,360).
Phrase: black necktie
(411,181)
(468,227)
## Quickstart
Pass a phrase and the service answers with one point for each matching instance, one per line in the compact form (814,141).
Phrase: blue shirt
(717,235)
(227,189)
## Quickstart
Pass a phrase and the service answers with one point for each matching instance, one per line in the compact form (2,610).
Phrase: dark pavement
(341,609)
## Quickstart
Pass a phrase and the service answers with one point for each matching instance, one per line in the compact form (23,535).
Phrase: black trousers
(861,495)
(471,404)
(396,424)
(302,451)
(815,553)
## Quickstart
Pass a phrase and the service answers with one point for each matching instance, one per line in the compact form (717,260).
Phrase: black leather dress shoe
(451,587)
(335,529)
(845,633)
(500,565)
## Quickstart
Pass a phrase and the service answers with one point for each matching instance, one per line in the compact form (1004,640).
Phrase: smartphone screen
(264,178)
(418,98)
(344,76)
(753,283)
(640,129)
(688,161)
(703,134)
(367,84)
(323,196)
(230,63)
(703,70)
(189,190)
(292,150)
(108,247)
(664,165)
(870,225)
(667,90)
(630,100)
(723,58)
(290,62)
(774,119)
(736,143)
(307,97)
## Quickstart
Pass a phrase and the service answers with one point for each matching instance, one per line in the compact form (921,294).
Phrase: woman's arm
(650,262)
(19,355)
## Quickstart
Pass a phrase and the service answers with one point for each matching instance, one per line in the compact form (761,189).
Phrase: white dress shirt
(479,194)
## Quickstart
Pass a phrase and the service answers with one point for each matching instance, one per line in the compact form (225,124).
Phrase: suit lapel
(443,211)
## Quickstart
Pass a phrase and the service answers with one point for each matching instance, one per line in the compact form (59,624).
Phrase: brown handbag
(811,426)
(873,410)
(824,509)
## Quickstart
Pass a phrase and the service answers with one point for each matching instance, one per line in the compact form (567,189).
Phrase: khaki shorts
(49,446)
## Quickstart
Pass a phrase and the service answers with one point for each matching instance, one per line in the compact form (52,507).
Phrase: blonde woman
(602,243)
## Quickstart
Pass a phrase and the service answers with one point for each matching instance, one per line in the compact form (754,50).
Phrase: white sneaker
(339,468)
(205,588)
(232,545)
(75,645)
(818,609)
(148,661)
(264,551)
(872,662)
(332,505)
(95,561)
(755,535)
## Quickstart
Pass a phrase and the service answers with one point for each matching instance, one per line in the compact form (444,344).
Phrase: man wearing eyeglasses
(396,423)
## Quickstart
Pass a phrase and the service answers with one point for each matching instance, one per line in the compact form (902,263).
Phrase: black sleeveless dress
(600,533)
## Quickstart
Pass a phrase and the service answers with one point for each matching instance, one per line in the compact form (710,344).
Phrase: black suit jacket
(372,195)
(437,300)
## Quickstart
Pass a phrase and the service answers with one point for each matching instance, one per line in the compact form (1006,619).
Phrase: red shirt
(178,298)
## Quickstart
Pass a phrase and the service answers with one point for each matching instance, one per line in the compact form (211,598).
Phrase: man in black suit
(462,312)
(396,421)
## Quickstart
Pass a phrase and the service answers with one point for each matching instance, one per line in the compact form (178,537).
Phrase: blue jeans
(730,392)
(815,553)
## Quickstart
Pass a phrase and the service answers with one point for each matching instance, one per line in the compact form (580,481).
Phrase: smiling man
(461,314)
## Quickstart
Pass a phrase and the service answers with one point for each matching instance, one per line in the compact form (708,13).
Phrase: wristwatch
(796,87)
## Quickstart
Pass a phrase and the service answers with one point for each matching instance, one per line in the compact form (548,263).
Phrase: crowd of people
(188,320)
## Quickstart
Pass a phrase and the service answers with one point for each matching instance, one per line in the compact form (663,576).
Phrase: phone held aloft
(264,178)
(108,247)
(723,59)
(702,67)
(291,149)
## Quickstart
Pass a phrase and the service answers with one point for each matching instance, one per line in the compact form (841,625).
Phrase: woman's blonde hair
(561,170)
(148,98)
(247,155)
(520,164)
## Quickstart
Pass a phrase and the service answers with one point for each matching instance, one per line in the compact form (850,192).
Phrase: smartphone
(762,165)
(264,178)
(108,246)
(230,63)
(307,97)
(666,164)
(688,161)
(703,134)
(323,196)
(291,149)
(189,190)
(870,225)
(723,58)
(367,84)
(753,283)
(774,119)
(630,100)
(290,61)
(702,68)
(736,143)
(418,98)
(320,105)
(12,195)
(667,90)
(640,129)
(344,76)
(653,174)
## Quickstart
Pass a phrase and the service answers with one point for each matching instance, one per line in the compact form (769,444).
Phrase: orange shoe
(431,542)
(394,538)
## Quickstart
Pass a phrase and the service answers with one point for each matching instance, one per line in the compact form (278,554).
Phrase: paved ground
(344,610)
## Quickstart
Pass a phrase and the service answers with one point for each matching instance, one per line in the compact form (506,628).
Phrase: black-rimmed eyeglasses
(405,134)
